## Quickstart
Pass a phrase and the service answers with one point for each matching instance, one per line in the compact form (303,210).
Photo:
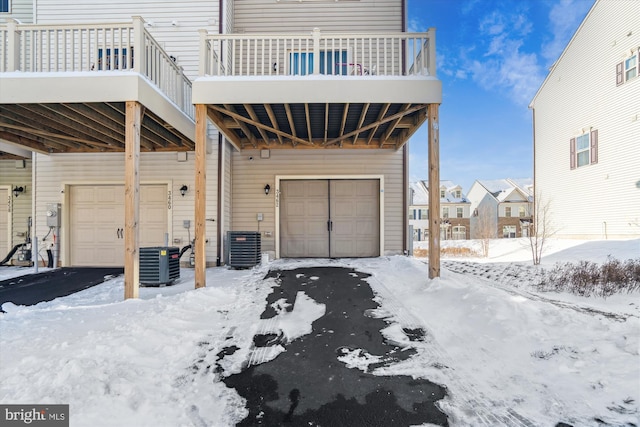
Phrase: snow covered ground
(507,355)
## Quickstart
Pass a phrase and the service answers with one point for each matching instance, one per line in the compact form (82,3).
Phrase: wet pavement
(307,384)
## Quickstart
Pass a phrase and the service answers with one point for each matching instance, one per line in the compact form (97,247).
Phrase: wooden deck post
(133,120)
(434,191)
(201,202)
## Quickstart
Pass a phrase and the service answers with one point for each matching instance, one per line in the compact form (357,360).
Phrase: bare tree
(541,228)
(485,227)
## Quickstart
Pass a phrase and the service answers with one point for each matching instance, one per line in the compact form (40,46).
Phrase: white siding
(603,199)
(181,40)
(22,10)
(21,206)
(54,171)
(269,16)
(250,177)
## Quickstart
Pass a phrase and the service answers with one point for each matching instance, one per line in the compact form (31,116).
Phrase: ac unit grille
(159,265)
(244,248)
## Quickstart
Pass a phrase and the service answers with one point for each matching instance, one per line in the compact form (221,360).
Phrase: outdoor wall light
(183,190)
(17,191)
(267,188)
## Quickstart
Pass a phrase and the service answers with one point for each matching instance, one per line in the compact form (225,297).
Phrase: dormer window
(442,194)
(458,194)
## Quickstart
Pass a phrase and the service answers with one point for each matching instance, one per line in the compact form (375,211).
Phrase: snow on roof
(501,189)
(421,192)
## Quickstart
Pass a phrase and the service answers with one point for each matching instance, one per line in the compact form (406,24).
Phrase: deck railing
(99,48)
(387,54)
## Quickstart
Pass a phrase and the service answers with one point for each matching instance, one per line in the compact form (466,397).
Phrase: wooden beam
(363,115)
(307,115)
(381,115)
(287,109)
(254,117)
(377,124)
(201,201)
(240,118)
(434,191)
(252,139)
(274,121)
(418,120)
(133,120)
(219,121)
(386,134)
(345,112)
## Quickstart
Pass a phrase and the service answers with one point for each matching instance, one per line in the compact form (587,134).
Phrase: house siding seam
(564,109)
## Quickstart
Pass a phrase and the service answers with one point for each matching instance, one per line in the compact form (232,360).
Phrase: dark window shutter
(619,74)
(594,146)
(572,152)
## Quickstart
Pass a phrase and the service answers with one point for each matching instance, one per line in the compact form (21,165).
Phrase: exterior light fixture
(17,191)
(267,188)
(183,190)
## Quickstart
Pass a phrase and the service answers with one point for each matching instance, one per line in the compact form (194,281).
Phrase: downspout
(535,199)
(405,206)
(220,200)
(220,16)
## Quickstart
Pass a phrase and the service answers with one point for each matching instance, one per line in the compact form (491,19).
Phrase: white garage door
(329,218)
(97,222)
(4,223)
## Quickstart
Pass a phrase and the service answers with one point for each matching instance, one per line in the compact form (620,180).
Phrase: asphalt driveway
(31,289)
(307,385)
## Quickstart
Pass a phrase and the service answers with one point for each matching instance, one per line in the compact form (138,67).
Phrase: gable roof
(421,192)
(555,64)
(502,189)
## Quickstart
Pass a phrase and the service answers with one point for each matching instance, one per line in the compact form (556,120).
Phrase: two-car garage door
(330,218)
(97,222)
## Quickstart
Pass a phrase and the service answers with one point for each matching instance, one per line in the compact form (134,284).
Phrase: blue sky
(492,56)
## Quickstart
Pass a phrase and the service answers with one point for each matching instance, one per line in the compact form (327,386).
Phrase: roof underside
(83,127)
(318,125)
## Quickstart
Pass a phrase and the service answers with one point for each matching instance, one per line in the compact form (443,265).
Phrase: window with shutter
(572,152)
(594,146)
(619,74)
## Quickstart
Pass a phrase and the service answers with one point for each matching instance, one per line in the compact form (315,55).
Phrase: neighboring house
(454,206)
(313,117)
(501,208)
(587,127)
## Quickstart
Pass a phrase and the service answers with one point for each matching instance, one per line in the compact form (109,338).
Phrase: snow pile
(504,352)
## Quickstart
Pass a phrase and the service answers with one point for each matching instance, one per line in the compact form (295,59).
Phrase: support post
(133,120)
(201,202)
(434,191)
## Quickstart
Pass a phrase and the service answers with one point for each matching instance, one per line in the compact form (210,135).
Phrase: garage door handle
(329,225)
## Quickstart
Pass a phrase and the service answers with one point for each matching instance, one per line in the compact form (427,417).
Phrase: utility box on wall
(53,215)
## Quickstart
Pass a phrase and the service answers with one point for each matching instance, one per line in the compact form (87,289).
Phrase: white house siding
(21,10)
(10,176)
(598,200)
(56,171)
(250,177)
(181,40)
(266,16)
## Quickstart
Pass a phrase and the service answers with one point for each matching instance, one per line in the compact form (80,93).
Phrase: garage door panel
(97,222)
(351,205)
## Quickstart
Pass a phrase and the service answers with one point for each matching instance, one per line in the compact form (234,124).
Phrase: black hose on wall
(11,253)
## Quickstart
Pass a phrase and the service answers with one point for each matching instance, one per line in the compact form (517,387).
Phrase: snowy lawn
(507,354)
